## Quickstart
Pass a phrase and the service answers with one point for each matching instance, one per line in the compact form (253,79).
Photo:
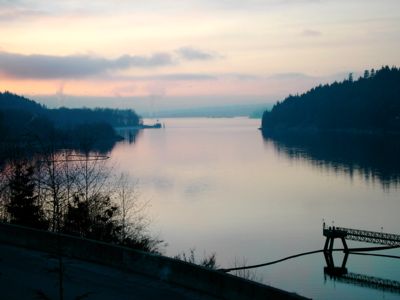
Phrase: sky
(182,53)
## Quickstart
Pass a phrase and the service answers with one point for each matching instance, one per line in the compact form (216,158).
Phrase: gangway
(340,273)
(331,233)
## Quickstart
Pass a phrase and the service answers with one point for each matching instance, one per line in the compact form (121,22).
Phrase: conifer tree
(23,208)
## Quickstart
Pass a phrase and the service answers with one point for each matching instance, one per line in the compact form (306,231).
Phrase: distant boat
(156,125)
(143,126)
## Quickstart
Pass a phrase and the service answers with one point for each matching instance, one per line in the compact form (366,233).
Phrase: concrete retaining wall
(170,270)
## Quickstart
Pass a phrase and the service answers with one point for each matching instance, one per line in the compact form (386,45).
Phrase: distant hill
(222,111)
(62,117)
(12,101)
(369,104)
(24,120)
(67,117)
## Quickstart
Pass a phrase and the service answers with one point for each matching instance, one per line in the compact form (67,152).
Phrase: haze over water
(217,185)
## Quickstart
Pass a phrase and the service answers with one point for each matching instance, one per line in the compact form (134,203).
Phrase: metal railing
(370,236)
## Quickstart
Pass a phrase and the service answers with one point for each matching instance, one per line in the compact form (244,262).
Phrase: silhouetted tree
(23,207)
(93,218)
(131,216)
(372,72)
(350,77)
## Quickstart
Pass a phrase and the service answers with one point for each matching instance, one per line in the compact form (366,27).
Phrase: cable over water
(351,250)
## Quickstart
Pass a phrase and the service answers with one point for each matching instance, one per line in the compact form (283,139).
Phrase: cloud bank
(40,66)
(73,66)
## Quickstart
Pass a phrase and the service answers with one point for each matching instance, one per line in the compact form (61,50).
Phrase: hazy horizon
(193,53)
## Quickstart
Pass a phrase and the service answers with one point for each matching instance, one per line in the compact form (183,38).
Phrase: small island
(370,104)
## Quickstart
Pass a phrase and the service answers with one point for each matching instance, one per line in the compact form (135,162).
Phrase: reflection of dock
(341,275)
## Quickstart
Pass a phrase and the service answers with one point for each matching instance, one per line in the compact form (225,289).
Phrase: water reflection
(27,149)
(128,134)
(101,147)
(216,187)
(371,156)
(341,274)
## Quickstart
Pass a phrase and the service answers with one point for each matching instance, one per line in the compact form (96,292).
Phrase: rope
(317,251)
(379,255)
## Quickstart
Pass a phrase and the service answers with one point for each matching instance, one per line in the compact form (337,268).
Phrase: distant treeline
(369,104)
(22,119)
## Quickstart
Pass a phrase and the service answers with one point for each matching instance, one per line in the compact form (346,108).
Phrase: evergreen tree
(351,77)
(93,218)
(372,72)
(23,208)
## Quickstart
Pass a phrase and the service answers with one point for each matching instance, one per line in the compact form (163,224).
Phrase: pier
(331,233)
(340,273)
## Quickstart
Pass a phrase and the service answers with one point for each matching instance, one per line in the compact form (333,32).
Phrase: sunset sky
(189,52)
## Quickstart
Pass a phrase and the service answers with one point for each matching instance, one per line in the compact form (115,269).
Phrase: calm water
(218,185)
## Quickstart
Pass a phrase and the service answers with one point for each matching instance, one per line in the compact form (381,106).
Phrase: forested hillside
(24,120)
(368,104)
